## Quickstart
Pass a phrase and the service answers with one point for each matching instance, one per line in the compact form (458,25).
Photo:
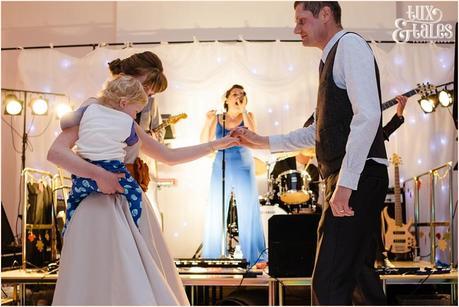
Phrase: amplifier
(292,244)
(389,202)
(208,263)
(11,256)
(390,197)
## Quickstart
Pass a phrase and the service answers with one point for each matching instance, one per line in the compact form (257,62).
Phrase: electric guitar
(169,121)
(423,88)
(398,238)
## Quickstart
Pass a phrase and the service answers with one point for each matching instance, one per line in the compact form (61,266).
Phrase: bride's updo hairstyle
(139,64)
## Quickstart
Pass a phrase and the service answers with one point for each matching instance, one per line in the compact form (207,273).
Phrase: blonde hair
(123,86)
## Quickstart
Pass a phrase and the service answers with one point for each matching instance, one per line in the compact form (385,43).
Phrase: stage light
(62,109)
(13,106)
(39,106)
(432,96)
(427,104)
(445,98)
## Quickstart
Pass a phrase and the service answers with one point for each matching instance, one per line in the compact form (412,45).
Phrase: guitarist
(366,292)
(300,162)
(397,120)
(150,118)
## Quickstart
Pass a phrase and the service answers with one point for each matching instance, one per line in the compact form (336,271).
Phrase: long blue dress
(240,178)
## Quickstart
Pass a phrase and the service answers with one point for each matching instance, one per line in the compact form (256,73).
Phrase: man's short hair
(315,6)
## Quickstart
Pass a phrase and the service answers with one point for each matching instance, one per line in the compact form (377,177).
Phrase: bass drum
(293,187)
(266,212)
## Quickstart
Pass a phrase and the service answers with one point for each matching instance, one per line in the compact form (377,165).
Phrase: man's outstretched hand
(250,139)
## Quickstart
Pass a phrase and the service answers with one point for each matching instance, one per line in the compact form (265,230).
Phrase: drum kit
(288,193)
(290,189)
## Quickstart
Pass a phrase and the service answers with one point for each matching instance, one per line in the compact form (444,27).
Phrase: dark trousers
(368,290)
(344,243)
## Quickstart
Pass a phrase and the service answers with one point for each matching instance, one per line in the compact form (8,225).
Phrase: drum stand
(232,226)
(269,181)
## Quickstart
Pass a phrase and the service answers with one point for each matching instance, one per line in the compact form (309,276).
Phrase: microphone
(222,113)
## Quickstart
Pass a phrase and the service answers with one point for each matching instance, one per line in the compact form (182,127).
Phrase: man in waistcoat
(349,143)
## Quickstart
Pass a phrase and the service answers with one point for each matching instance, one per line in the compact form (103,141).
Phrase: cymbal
(309,152)
(284,155)
(260,166)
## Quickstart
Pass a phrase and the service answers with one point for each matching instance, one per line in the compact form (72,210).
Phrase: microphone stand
(223,242)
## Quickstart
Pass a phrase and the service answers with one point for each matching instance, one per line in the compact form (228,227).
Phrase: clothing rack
(64,185)
(59,184)
(28,177)
(131,44)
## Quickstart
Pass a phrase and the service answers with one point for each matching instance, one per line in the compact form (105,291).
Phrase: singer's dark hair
(228,92)
(315,6)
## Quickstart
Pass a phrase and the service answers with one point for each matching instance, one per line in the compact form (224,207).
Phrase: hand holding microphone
(211,114)
(241,102)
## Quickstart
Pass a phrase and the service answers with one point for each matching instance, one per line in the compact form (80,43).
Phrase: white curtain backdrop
(281,83)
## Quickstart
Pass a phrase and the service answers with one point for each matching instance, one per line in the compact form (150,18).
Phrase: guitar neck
(397,196)
(163,125)
(393,102)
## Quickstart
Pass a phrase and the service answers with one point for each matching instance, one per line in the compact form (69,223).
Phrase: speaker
(11,252)
(292,244)
(7,232)
(389,202)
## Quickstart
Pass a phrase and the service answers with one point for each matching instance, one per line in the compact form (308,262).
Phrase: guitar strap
(137,117)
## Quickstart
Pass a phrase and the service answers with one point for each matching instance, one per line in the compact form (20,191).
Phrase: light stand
(24,110)
(25,138)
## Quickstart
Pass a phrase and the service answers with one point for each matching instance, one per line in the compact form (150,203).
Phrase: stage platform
(276,293)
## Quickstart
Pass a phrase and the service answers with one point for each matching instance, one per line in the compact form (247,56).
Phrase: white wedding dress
(107,260)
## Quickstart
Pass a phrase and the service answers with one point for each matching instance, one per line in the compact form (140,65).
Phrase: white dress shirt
(354,71)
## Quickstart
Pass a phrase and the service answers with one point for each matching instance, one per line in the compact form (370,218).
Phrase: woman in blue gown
(239,178)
